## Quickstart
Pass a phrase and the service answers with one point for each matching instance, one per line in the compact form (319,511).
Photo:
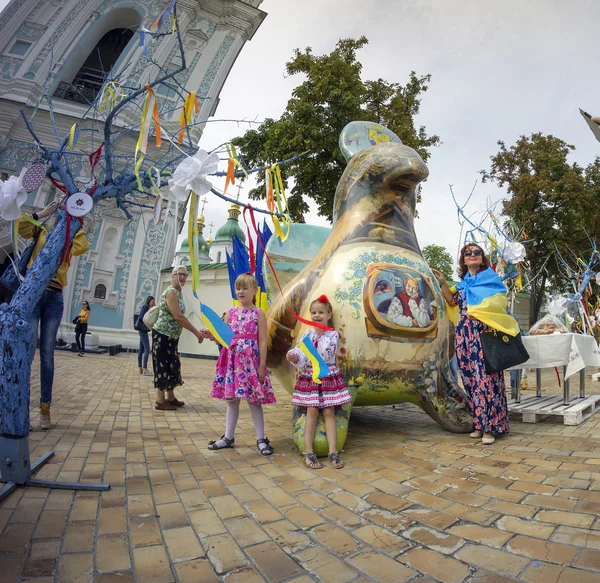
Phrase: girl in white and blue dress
(332,391)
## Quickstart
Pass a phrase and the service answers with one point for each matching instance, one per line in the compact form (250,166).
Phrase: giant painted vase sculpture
(387,305)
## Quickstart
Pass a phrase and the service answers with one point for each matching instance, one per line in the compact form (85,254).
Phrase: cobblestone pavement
(414,503)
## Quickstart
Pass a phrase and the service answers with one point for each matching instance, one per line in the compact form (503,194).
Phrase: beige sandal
(488,439)
(310,459)
(336,461)
(476,435)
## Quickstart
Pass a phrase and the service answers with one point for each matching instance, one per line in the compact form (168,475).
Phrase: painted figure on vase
(394,333)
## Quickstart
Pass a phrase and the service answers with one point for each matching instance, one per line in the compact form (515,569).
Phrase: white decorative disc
(79,204)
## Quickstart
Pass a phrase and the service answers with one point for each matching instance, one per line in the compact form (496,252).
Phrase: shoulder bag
(502,351)
(150,317)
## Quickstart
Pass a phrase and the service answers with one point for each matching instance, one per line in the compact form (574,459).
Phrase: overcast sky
(500,69)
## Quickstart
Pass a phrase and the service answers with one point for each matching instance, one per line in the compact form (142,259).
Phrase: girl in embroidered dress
(241,371)
(332,391)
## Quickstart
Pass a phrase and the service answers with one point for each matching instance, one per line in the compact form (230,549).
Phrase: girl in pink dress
(327,395)
(241,371)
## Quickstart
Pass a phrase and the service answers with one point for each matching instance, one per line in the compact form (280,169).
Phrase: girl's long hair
(87,306)
(148,300)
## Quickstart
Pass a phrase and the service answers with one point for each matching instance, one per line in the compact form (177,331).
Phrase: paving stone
(588,559)
(182,544)
(440,567)
(42,558)
(246,531)
(486,577)
(79,538)
(539,572)
(112,520)
(380,567)
(171,515)
(325,566)
(429,517)
(118,577)
(224,554)
(84,509)
(387,501)
(249,575)
(438,541)
(304,517)
(52,523)
(382,540)
(145,531)
(492,559)
(152,565)
(288,536)
(273,562)
(334,539)
(112,553)
(77,568)
(526,527)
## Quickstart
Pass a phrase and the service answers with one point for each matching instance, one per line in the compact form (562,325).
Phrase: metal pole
(538,382)
(518,384)
(566,386)
(582,383)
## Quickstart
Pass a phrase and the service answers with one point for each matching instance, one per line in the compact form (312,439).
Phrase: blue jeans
(47,314)
(144,349)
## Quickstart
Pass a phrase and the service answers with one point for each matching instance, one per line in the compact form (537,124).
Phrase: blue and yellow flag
(222,333)
(319,366)
(261,299)
(485,295)
(231,272)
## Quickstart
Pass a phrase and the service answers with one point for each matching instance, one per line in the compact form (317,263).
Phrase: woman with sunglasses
(487,392)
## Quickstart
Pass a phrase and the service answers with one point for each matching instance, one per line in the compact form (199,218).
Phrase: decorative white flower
(513,252)
(12,197)
(191,175)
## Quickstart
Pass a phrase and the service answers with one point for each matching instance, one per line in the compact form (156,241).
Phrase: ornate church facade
(63,49)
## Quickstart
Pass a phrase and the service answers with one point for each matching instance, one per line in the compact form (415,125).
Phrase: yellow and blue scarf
(485,295)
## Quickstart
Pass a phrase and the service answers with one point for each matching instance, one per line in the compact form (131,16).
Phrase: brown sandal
(166,406)
(310,459)
(336,461)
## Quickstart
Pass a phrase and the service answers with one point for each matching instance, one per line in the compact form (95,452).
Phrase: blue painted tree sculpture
(119,174)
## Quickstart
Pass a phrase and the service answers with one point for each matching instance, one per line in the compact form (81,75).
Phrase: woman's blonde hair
(179,268)
(246,280)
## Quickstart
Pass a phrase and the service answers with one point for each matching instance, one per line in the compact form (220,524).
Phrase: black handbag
(502,351)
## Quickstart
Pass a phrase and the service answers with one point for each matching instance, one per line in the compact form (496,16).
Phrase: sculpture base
(16,470)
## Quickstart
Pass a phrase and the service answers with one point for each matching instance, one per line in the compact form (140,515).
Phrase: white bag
(150,317)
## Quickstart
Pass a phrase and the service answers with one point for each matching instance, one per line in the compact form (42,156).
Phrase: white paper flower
(513,252)
(12,197)
(191,175)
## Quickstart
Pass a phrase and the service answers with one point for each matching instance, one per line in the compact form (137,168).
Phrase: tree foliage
(437,257)
(332,95)
(554,201)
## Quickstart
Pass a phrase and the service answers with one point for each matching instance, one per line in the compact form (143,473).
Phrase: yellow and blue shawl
(485,295)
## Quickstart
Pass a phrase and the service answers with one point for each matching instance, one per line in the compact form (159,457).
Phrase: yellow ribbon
(193,242)
(72,136)
(187,113)
(149,113)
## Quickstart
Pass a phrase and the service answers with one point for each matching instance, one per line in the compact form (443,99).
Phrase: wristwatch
(34,216)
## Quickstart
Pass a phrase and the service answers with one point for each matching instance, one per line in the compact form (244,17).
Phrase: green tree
(331,95)
(437,257)
(554,201)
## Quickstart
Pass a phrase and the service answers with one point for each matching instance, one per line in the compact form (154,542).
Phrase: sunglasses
(474,252)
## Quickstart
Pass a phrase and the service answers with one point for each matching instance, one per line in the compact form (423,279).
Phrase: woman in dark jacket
(143,330)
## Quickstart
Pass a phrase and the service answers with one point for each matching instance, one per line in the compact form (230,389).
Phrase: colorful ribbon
(149,113)
(164,14)
(187,113)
